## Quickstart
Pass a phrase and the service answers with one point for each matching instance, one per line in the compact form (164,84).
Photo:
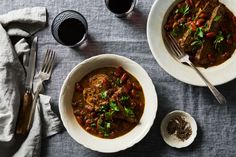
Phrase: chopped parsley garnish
(118,81)
(104,108)
(104,127)
(178,30)
(205,27)
(182,25)
(217,18)
(103,94)
(175,32)
(108,115)
(219,39)
(129,112)
(197,42)
(184,10)
(108,125)
(106,134)
(114,106)
(199,32)
(100,121)
(93,125)
(124,99)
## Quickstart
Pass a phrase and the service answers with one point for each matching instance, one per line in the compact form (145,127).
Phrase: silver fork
(184,58)
(44,74)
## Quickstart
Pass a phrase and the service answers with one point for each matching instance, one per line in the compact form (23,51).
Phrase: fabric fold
(21,23)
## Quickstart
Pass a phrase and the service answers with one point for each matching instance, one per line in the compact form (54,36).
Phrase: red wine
(119,6)
(71,31)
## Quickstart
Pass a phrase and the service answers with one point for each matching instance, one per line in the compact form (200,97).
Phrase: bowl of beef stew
(204,29)
(108,103)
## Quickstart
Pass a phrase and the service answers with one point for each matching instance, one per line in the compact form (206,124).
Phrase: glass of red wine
(69,28)
(120,8)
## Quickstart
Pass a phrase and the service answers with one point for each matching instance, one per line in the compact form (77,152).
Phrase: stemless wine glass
(66,26)
(121,8)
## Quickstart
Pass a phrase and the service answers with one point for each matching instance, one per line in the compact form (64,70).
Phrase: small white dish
(91,141)
(172,140)
(156,19)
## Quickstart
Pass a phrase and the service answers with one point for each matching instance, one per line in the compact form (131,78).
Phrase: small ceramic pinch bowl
(172,140)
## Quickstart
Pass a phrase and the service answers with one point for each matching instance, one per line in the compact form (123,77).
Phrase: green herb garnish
(217,18)
(103,94)
(205,27)
(118,81)
(123,99)
(175,32)
(113,106)
(199,32)
(129,112)
(103,108)
(184,10)
(219,39)
(182,25)
(93,125)
(104,127)
(197,42)
(178,30)
(108,115)
(108,125)
(100,121)
(106,134)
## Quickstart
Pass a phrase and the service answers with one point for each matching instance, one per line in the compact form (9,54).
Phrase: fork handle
(39,88)
(219,97)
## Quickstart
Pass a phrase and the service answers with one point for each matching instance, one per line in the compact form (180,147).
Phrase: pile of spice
(179,127)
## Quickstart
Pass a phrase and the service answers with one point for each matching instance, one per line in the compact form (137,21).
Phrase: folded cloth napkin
(22,23)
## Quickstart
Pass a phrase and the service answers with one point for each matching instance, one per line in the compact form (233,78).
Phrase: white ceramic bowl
(172,140)
(216,75)
(93,142)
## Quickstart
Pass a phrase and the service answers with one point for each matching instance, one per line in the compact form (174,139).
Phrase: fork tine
(169,41)
(45,61)
(52,63)
(48,62)
(175,46)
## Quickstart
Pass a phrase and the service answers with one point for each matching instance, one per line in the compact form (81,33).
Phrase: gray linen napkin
(21,23)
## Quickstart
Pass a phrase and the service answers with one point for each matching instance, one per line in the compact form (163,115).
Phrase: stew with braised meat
(204,29)
(108,102)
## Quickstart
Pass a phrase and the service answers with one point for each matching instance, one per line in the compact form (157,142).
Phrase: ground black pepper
(179,127)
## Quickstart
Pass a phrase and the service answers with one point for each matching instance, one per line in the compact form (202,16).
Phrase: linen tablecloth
(127,37)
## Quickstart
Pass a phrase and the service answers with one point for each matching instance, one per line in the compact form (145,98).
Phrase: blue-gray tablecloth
(127,37)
